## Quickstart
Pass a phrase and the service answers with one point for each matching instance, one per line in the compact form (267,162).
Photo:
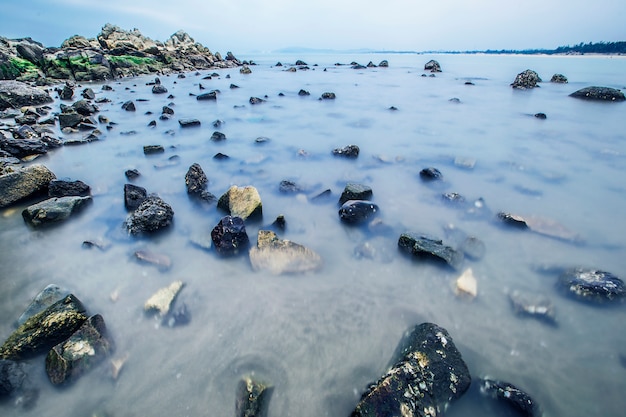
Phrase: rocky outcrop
(64,188)
(54,210)
(113,53)
(153,214)
(16,94)
(599,94)
(526,80)
(280,256)
(23,183)
(427,374)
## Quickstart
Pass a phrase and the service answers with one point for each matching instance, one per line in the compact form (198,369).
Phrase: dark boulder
(153,214)
(592,285)
(134,196)
(132,174)
(350,151)
(129,106)
(85,349)
(512,220)
(159,89)
(54,210)
(427,374)
(45,329)
(84,107)
(88,94)
(67,92)
(526,80)
(354,191)
(16,94)
(69,119)
(599,94)
(218,136)
(196,180)
(541,116)
(64,188)
(384,63)
(153,149)
(357,211)
(189,122)
(256,100)
(211,95)
(425,247)
(252,398)
(167,110)
(229,236)
(432,66)
(23,183)
(559,79)
(431,174)
(21,148)
(303,93)
(328,96)
(511,395)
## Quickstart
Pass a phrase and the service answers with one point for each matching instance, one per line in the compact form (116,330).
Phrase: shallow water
(320,338)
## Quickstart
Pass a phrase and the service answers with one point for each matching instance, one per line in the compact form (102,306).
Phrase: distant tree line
(581,48)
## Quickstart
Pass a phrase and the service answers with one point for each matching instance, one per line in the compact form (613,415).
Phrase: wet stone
(350,151)
(354,191)
(48,296)
(328,96)
(511,395)
(526,80)
(243,202)
(63,188)
(599,94)
(280,256)
(252,398)
(229,236)
(85,349)
(512,220)
(134,195)
(162,301)
(425,247)
(430,174)
(132,174)
(12,377)
(24,183)
(592,285)
(129,106)
(189,122)
(153,214)
(153,149)
(54,210)
(432,66)
(357,211)
(533,305)
(211,95)
(195,180)
(218,136)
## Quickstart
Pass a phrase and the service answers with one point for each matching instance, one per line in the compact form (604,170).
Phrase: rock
(559,79)
(54,210)
(430,174)
(289,187)
(282,256)
(48,296)
(229,236)
(533,305)
(466,285)
(354,191)
(153,214)
(67,92)
(12,377)
(211,95)
(245,70)
(510,394)
(132,174)
(303,93)
(592,285)
(357,211)
(163,262)
(541,116)
(196,180)
(512,220)
(64,188)
(243,202)
(427,374)
(425,247)
(350,151)
(16,94)
(189,122)
(45,329)
(167,110)
(88,94)
(256,100)
(599,94)
(218,136)
(23,183)
(69,119)
(541,225)
(526,80)
(432,66)
(85,349)
(153,149)
(23,148)
(134,195)
(129,106)
(328,96)
(252,398)
(384,63)
(161,301)
(159,89)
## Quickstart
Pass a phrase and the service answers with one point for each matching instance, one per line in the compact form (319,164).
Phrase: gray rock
(22,148)
(129,106)
(427,374)
(85,349)
(161,302)
(430,174)
(159,89)
(218,136)
(592,285)
(153,149)
(559,79)
(252,398)
(229,236)
(350,151)
(48,296)
(533,305)
(196,180)
(84,107)
(599,94)
(54,210)
(45,329)
(23,183)
(64,188)
(153,214)
(526,80)
(256,100)
(511,395)
(357,211)
(432,66)
(211,95)
(244,202)
(67,92)
(328,96)
(354,191)
(425,247)
(280,256)
(70,119)
(88,93)
(384,63)
(134,195)
(16,94)
(189,122)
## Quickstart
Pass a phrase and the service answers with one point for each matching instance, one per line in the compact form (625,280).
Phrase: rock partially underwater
(592,285)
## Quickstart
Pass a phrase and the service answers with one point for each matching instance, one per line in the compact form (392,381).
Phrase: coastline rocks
(64,188)
(45,329)
(357,211)
(350,151)
(592,285)
(526,80)
(428,373)
(599,94)
(432,66)
(16,94)
(510,394)
(280,256)
(252,398)
(129,106)
(243,202)
(85,349)
(426,247)
(23,183)
(153,214)
(559,79)
(354,191)
(229,236)
(23,147)
(54,210)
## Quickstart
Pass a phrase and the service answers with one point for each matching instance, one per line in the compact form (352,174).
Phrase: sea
(321,338)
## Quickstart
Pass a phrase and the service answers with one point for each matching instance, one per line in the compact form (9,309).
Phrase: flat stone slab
(282,256)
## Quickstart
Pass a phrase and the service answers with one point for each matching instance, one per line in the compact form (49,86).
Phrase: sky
(254,26)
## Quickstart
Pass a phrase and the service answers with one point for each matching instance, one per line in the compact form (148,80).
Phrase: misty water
(320,338)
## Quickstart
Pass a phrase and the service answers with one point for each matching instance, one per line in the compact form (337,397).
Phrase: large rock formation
(526,80)
(599,94)
(23,183)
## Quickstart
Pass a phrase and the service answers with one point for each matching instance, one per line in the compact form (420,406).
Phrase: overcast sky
(245,26)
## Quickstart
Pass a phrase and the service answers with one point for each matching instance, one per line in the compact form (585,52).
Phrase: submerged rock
(54,210)
(559,79)
(85,349)
(350,151)
(511,395)
(427,374)
(45,329)
(466,285)
(357,211)
(153,214)
(599,93)
(425,247)
(354,191)
(533,305)
(526,80)
(48,296)
(12,377)
(592,285)
(243,202)
(229,236)
(161,301)
(280,256)
(252,398)
(24,183)
(160,260)
(430,174)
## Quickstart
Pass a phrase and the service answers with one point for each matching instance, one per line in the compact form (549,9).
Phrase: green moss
(15,67)
(129,60)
